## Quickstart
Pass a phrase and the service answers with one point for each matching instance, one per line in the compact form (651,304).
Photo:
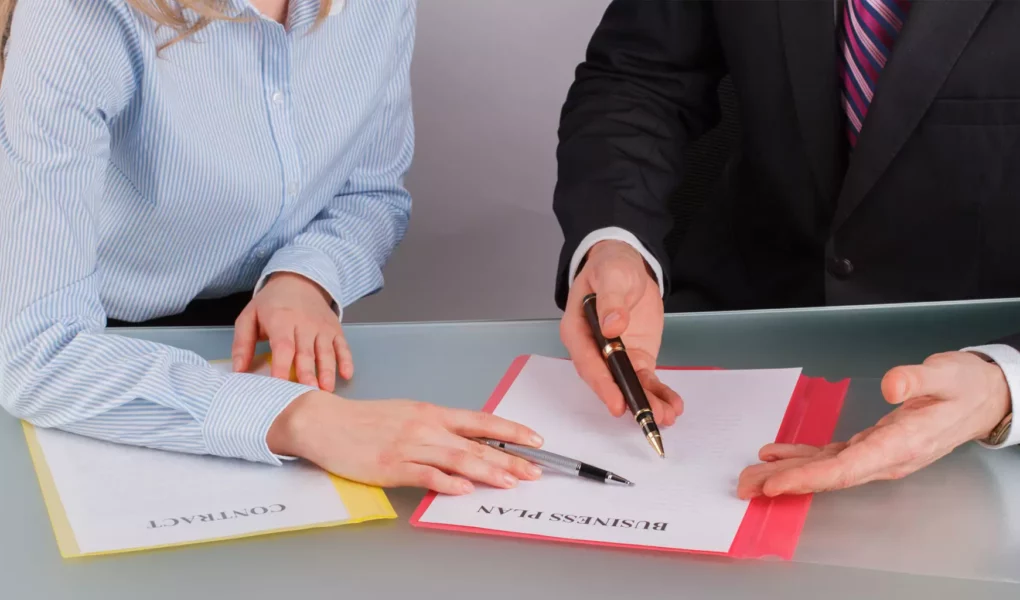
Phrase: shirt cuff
(242,412)
(309,263)
(620,235)
(1008,359)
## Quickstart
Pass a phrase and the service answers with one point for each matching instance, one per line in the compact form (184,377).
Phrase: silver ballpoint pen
(556,462)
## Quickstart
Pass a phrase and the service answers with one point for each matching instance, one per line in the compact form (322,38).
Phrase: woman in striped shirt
(163,157)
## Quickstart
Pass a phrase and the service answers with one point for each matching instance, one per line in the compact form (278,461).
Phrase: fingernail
(536,440)
(533,471)
(237,364)
(466,487)
(509,480)
(610,319)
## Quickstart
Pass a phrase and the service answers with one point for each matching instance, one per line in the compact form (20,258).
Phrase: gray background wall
(489,78)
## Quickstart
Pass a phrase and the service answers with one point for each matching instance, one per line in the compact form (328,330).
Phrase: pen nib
(614,478)
(656,441)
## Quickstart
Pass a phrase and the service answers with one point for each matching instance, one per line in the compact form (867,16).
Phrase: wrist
(291,433)
(613,246)
(617,247)
(286,277)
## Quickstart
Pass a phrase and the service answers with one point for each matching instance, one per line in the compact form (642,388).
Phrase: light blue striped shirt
(133,182)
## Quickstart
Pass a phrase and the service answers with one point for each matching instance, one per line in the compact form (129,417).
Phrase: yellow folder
(362,503)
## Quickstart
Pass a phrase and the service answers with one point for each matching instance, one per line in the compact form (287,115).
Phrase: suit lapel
(935,34)
(809,40)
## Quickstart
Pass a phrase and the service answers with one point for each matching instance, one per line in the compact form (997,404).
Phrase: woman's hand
(394,443)
(297,318)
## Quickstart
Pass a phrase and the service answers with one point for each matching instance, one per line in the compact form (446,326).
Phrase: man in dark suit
(876,164)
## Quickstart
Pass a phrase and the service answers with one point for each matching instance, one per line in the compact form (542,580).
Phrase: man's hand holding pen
(629,306)
(951,399)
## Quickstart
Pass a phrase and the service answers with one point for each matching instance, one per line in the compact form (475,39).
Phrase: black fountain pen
(626,379)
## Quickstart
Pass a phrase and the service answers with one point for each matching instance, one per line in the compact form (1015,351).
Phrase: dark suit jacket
(927,207)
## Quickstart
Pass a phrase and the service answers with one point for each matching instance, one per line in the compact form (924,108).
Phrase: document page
(119,497)
(685,501)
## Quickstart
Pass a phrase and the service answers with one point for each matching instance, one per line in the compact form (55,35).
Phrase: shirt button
(277,97)
(840,268)
(261,252)
(292,190)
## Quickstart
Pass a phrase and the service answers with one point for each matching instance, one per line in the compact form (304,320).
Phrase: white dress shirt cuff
(1008,360)
(620,235)
(308,263)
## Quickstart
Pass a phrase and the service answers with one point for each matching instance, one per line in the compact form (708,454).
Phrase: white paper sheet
(687,501)
(120,497)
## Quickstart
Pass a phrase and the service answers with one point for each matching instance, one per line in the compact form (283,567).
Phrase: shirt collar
(299,12)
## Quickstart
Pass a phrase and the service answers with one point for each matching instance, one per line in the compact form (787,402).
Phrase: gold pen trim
(656,441)
(612,347)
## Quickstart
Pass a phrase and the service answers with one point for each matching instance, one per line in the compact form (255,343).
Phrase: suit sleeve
(1010,340)
(646,88)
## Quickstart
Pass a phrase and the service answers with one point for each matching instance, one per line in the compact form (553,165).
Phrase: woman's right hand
(394,443)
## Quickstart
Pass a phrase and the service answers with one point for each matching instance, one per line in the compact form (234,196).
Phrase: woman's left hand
(297,318)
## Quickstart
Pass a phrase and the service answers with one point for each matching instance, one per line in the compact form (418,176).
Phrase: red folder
(771,526)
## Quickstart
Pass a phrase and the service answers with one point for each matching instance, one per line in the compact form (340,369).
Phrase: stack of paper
(686,501)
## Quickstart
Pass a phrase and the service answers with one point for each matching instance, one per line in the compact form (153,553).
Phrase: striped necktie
(870,28)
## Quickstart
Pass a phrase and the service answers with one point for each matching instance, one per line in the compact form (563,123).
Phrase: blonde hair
(165,13)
